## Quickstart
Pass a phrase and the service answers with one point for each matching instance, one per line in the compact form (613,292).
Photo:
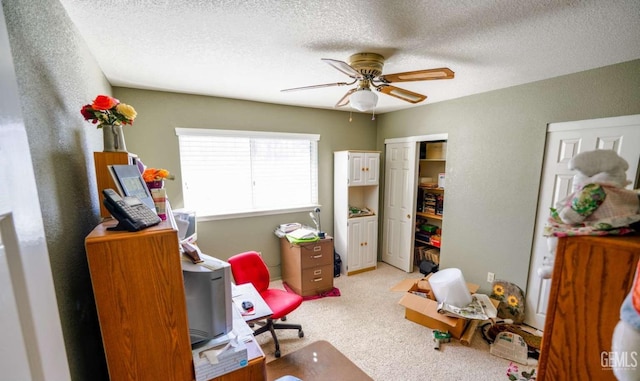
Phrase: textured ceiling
(253,49)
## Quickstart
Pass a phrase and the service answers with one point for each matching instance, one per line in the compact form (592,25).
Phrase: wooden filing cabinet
(307,268)
(591,278)
(139,291)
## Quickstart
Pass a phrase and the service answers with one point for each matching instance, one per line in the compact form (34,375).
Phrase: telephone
(131,213)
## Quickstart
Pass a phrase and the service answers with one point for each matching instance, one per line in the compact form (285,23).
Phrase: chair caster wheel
(300,334)
(277,354)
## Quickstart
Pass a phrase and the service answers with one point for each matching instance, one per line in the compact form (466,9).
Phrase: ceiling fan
(366,69)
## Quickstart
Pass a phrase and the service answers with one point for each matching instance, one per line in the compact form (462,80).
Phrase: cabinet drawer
(317,280)
(317,254)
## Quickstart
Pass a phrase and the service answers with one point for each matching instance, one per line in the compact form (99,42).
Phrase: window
(227,172)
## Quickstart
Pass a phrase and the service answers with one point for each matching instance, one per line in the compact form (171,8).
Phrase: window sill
(256,213)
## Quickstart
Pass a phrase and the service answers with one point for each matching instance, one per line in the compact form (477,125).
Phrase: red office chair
(250,268)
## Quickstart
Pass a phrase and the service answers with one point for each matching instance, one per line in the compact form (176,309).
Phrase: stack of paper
(302,235)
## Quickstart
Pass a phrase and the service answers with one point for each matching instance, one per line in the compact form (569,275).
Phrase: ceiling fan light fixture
(363,100)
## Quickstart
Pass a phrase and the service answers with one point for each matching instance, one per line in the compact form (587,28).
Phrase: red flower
(104,102)
(86,112)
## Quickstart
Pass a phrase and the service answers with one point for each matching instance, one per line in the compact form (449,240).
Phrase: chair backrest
(249,267)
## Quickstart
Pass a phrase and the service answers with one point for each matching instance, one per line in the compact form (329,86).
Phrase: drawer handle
(317,272)
(317,256)
(317,280)
(317,248)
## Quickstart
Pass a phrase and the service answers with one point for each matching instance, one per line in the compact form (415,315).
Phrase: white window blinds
(227,172)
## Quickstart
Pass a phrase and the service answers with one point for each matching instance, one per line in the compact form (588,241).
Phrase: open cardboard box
(422,308)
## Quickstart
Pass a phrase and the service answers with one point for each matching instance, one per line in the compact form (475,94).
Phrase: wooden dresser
(591,278)
(307,268)
(139,292)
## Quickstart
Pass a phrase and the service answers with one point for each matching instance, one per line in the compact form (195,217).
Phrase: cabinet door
(356,168)
(355,244)
(370,233)
(371,168)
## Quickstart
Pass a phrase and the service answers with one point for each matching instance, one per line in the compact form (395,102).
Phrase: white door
(355,239)
(356,168)
(399,204)
(564,141)
(31,344)
(370,229)
(372,161)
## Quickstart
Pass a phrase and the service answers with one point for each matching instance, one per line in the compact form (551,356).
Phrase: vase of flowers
(154,177)
(109,114)
(113,139)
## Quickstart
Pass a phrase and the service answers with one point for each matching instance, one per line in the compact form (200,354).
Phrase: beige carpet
(368,326)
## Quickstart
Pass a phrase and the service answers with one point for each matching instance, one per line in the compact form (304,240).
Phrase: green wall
(152,137)
(494,160)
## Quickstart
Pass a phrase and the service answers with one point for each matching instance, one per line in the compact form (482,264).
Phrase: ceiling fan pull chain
(350,115)
(373,114)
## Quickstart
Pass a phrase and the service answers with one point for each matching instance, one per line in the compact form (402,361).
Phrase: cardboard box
(424,310)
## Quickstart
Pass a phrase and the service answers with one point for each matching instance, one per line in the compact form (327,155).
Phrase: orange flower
(156,174)
(104,102)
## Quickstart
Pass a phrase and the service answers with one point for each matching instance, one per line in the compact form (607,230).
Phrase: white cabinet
(356,195)
(362,243)
(364,168)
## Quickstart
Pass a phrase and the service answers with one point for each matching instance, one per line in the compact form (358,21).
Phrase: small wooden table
(317,361)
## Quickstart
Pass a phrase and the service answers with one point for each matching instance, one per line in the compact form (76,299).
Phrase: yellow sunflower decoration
(511,299)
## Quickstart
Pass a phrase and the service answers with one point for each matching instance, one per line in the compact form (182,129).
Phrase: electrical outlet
(491,277)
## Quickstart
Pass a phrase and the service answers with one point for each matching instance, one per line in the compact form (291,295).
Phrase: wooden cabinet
(591,278)
(356,195)
(307,268)
(139,293)
(103,177)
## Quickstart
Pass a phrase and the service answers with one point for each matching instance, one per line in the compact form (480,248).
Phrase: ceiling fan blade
(405,95)
(345,98)
(419,75)
(343,67)
(318,86)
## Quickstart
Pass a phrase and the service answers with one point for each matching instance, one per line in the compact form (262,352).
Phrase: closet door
(564,141)
(399,204)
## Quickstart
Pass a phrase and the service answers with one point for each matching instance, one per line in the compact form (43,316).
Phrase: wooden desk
(317,361)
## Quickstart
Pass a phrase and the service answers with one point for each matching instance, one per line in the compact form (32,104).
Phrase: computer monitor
(207,287)
(187,225)
(129,182)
